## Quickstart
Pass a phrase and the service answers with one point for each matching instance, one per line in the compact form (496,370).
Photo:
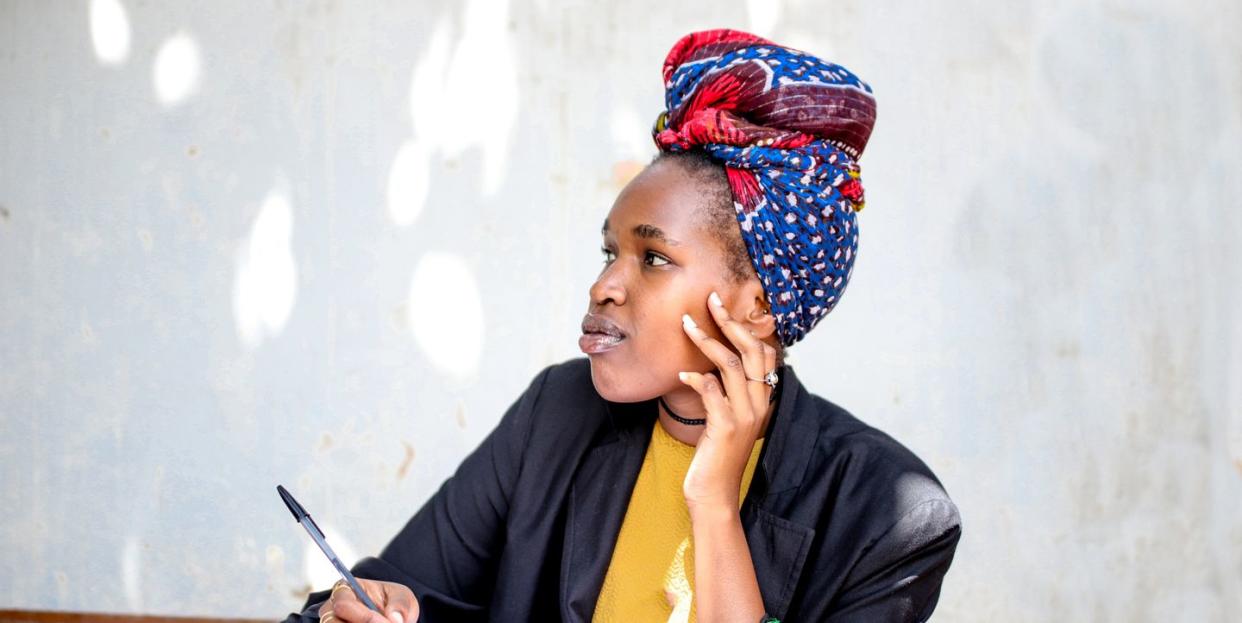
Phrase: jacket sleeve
(899,577)
(447,552)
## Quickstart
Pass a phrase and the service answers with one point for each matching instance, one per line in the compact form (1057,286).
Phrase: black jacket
(843,522)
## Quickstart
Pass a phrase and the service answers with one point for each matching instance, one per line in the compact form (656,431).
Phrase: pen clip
(298,512)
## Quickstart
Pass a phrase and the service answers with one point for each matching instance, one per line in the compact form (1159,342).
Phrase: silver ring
(770,379)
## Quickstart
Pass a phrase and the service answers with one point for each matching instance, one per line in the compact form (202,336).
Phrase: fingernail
(396,617)
(683,376)
(688,321)
(715,299)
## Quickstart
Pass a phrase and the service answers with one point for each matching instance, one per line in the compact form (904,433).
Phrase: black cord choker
(699,421)
(686,421)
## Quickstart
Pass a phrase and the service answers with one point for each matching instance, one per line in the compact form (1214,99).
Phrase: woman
(681,471)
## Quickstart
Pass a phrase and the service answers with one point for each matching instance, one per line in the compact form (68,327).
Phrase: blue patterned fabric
(788,128)
(803,234)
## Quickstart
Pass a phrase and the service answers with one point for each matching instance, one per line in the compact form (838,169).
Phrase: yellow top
(651,574)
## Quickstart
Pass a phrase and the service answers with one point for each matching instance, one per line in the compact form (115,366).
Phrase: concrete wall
(325,244)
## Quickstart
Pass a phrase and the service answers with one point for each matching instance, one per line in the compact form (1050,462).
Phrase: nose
(608,286)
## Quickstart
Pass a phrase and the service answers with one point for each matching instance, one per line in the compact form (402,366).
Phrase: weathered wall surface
(326,244)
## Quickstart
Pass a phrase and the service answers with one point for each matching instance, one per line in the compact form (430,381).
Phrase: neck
(687,404)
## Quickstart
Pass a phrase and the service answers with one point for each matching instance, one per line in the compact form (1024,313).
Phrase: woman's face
(660,261)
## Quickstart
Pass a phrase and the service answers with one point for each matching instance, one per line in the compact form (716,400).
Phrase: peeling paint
(625,171)
(147,239)
(407,461)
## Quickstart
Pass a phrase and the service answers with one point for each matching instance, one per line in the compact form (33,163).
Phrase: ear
(753,309)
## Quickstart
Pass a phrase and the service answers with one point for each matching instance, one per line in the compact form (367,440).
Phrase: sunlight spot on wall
(763,16)
(428,105)
(315,566)
(632,144)
(445,313)
(631,134)
(452,109)
(131,573)
(178,66)
(265,286)
(806,42)
(110,31)
(408,182)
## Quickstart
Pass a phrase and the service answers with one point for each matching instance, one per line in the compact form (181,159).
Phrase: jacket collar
(600,492)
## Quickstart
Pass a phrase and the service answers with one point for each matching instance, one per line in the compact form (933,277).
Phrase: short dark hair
(717,207)
(721,216)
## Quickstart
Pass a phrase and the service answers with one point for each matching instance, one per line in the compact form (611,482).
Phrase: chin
(616,383)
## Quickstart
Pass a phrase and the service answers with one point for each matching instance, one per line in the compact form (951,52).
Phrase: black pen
(304,518)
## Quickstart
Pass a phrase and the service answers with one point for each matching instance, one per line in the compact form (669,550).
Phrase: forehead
(663,201)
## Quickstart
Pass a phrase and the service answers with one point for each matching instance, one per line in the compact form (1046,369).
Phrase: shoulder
(570,375)
(558,383)
(563,386)
(876,479)
(561,404)
(885,530)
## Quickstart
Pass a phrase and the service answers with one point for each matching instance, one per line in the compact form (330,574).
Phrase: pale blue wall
(236,238)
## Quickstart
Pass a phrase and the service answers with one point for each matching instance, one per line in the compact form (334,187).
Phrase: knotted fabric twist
(788,128)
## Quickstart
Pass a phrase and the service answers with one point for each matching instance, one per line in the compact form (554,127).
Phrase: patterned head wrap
(788,128)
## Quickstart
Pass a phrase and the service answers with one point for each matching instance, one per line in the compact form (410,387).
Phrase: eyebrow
(646,231)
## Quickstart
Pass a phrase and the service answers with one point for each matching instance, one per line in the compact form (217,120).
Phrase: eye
(658,257)
(654,257)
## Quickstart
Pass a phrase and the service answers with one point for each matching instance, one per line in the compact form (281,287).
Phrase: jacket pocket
(778,549)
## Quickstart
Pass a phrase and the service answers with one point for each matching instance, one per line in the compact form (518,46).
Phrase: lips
(594,323)
(599,334)
(596,343)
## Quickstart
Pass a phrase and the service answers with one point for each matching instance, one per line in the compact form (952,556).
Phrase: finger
(727,362)
(340,590)
(401,606)
(751,349)
(346,607)
(326,614)
(757,388)
(765,390)
(708,388)
(355,612)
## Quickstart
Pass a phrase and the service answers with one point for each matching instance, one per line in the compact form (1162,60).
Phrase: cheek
(647,366)
(668,349)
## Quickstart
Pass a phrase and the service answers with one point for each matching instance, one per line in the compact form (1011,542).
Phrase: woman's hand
(395,600)
(735,418)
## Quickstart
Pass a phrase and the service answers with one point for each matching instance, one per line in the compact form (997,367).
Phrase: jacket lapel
(598,499)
